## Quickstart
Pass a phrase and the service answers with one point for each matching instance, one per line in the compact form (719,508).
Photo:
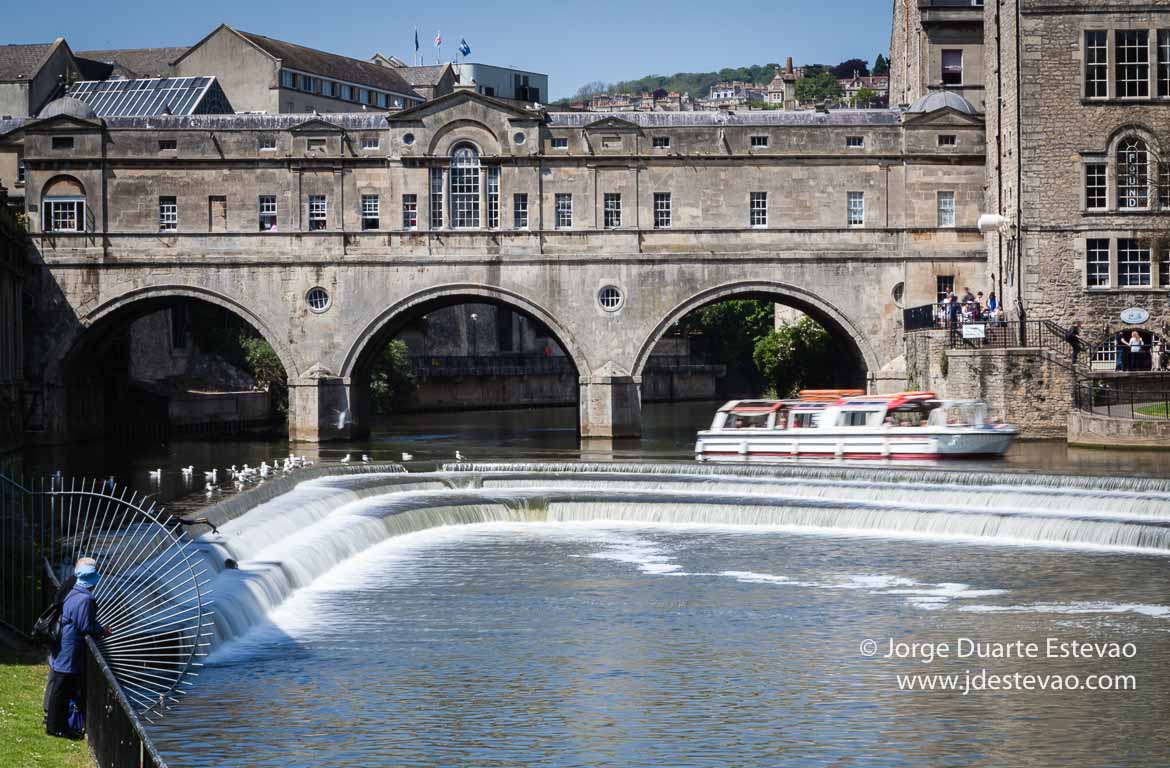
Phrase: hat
(87,574)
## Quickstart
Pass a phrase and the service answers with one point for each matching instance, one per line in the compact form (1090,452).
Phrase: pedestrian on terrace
(67,663)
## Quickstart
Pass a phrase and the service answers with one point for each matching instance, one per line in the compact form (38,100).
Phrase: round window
(408,138)
(317,299)
(899,290)
(610,298)
(519,138)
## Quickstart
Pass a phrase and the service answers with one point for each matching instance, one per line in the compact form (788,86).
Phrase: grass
(23,742)
(1159,410)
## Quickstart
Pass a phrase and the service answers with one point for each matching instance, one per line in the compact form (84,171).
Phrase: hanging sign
(974,331)
(1134,316)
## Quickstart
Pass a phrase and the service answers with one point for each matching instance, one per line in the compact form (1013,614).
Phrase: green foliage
(261,361)
(798,356)
(726,333)
(881,66)
(849,67)
(392,383)
(22,733)
(818,88)
(864,97)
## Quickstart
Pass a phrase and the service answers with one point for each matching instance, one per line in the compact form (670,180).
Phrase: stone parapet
(1092,430)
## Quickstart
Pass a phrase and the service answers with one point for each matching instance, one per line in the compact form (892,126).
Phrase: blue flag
(464,48)
(416,39)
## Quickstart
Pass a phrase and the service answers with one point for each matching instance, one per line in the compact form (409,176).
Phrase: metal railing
(153,595)
(1110,399)
(919,318)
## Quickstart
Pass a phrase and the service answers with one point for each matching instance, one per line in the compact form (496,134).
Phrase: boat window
(909,416)
(805,419)
(749,420)
(964,414)
(857,418)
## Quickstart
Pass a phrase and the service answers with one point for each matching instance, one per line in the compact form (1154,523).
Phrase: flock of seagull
(241,477)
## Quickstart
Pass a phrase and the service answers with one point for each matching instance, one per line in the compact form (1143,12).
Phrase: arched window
(1133,174)
(63,206)
(464,187)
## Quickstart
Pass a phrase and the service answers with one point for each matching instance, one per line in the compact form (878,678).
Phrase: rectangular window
(1097,263)
(946,209)
(347,93)
(660,142)
(329,88)
(1096,186)
(944,287)
(559,143)
(363,95)
(611,142)
(1164,62)
(267,213)
(612,213)
(520,210)
(1164,185)
(564,210)
(436,198)
(1164,266)
(286,79)
(947,140)
(317,145)
(168,214)
(758,209)
(952,67)
(856,209)
(1133,63)
(371,211)
(410,211)
(318,212)
(266,142)
(854,142)
(380,101)
(62,142)
(493,197)
(1096,65)
(1133,263)
(662,210)
(759,141)
(64,215)
(20,171)
(216,213)
(165,145)
(370,142)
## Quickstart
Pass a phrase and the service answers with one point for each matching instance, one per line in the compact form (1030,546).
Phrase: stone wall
(1024,387)
(1097,431)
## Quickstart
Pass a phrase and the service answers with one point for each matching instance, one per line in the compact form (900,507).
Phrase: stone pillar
(319,409)
(611,405)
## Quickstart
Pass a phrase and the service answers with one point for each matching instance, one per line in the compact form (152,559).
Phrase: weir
(261,556)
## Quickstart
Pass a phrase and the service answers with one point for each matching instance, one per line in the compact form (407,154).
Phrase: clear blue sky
(573,42)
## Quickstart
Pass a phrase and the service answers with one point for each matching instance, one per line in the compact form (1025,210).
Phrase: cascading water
(288,542)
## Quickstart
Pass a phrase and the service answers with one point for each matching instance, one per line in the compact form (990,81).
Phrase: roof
(22,62)
(67,105)
(746,118)
(10,124)
(131,63)
(350,121)
(936,100)
(423,75)
(331,65)
(153,96)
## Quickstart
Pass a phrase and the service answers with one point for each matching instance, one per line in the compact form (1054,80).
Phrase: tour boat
(819,425)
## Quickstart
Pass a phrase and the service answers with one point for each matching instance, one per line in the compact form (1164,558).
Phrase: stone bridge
(607,293)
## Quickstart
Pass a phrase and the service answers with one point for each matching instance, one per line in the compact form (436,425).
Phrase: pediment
(613,124)
(947,116)
(316,125)
(460,98)
(62,123)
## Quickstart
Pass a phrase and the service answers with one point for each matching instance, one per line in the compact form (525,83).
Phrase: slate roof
(332,65)
(747,117)
(422,75)
(10,124)
(22,62)
(350,121)
(132,63)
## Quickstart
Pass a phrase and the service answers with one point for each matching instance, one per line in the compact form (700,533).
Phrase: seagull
(213,475)
(345,459)
(407,456)
(458,456)
(156,474)
(365,459)
(188,471)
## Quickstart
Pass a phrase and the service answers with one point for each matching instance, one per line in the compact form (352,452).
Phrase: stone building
(335,232)
(937,44)
(33,75)
(782,89)
(878,85)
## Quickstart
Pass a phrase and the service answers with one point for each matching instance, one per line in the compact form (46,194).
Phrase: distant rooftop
(133,63)
(153,96)
(743,117)
(350,121)
(22,62)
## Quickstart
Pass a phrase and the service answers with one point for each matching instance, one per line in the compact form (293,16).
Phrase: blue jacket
(78,619)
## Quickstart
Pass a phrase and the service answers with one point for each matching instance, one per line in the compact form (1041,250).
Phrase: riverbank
(23,742)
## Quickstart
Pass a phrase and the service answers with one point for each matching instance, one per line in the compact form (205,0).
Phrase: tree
(851,67)
(264,366)
(864,97)
(797,356)
(818,88)
(392,382)
(591,89)
(881,66)
(726,334)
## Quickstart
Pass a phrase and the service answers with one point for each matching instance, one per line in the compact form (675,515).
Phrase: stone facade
(937,44)
(686,236)
(1091,430)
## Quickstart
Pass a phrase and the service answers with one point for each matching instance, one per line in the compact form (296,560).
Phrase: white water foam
(1153,611)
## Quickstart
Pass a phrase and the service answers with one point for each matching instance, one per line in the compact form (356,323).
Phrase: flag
(438,39)
(416,39)
(464,48)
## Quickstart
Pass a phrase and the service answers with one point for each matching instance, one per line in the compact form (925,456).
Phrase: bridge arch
(828,315)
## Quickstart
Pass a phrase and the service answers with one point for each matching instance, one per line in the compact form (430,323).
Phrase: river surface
(572,644)
(432,439)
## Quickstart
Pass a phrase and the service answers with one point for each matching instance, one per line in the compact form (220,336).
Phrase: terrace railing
(1119,401)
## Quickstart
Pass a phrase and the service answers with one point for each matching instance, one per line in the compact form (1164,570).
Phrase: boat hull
(892,444)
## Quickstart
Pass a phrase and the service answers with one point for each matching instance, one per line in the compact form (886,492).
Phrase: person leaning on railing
(67,663)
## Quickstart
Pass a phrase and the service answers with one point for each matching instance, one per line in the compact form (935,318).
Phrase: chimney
(789,69)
